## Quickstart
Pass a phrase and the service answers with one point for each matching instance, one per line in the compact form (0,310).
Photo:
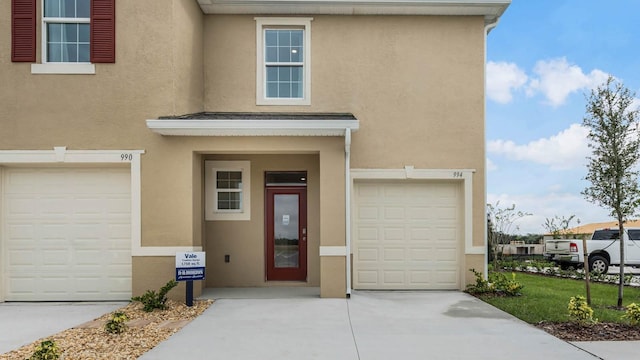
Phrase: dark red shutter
(23,30)
(103,31)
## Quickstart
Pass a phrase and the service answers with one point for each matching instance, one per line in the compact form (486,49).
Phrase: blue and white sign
(190,266)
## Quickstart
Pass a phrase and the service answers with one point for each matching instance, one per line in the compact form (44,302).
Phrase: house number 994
(457,174)
(126,157)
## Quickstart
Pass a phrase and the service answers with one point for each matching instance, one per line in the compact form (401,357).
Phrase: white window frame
(211,168)
(262,23)
(59,67)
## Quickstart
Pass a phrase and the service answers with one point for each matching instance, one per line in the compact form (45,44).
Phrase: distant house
(586,230)
(332,144)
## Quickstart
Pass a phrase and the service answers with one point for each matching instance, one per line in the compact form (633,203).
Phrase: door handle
(304,234)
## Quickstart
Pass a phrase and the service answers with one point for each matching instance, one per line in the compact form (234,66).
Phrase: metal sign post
(190,266)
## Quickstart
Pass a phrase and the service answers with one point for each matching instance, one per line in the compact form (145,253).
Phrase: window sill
(290,102)
(71,69)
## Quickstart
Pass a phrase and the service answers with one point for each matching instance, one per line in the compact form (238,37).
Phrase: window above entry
(283,70)
(75,34)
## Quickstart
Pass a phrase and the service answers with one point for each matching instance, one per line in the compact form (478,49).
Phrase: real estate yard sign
(190,266)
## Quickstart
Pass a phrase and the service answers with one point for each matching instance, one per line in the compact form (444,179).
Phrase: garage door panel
(393,234)
(417,236)
(67,233)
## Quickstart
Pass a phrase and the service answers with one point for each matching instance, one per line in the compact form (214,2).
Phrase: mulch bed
(571,331)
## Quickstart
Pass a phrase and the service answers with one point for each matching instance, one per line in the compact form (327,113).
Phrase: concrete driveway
(24,323)
(369,326)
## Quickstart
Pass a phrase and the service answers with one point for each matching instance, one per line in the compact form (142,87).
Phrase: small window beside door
(227,190)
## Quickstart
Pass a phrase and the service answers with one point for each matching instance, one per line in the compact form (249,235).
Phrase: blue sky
(543,58)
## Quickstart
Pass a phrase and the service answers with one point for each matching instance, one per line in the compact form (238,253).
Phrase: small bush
(152,300)
(481,286)
(502,284)
(633,314)
(47,350)
(117,323)
(580,311)
(497,284)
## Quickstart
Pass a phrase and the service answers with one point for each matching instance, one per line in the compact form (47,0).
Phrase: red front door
(286,233)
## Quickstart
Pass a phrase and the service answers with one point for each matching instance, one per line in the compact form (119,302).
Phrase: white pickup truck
(603,249)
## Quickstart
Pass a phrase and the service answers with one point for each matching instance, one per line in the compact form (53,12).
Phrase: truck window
(605,235)
(634,234)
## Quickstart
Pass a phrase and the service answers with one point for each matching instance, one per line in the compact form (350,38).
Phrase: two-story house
(332,144)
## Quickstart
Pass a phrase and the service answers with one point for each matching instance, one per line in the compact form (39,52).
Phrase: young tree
(499,225)
(615,144)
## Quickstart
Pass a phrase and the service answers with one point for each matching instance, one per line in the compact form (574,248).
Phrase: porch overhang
(254,124)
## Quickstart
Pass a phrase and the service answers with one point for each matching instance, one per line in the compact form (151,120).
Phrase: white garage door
(66,234)
(407,235)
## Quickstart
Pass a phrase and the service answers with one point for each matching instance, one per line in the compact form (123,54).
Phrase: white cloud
(502,79)
(564,150)
(549,206)
(635,104)
(557,79)
(491,166)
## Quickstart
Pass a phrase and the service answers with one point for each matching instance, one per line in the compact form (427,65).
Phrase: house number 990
(126,157)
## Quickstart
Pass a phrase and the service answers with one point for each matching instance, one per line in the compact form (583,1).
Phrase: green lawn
(546,298)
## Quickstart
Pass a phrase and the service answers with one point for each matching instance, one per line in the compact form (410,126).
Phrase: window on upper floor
(283,71)
(65,31)
(74,34)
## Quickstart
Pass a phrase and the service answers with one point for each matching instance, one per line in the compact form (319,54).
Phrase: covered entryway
(66,233)
(407,234)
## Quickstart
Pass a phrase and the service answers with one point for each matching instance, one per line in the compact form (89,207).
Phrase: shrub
(580,311)
(502,284)
(632,313)
(117,324)
(481,286)
(152,300)
(497,284)
(47,350)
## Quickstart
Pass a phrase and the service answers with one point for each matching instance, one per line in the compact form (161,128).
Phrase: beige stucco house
(332,144)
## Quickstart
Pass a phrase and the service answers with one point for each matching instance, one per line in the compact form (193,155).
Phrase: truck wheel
(598,264)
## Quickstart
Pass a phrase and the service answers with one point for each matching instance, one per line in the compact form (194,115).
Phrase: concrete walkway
(369,326)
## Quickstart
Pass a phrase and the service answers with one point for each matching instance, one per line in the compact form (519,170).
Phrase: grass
(545,298)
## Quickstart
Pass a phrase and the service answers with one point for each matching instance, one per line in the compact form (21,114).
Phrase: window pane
(296,90)
(272,73)
(83,33)
(271,54)
(284,74)
(284,54)
(296,38)
(54,33)
(83,8)
(70,53)
(283,90)
(83,53)
(296,54)
(229,180)
(284,38)
(52,8)
(68,8)
(296,73)
(272,90)
(54,52)
(70,32)
(229,201)
(271,37)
